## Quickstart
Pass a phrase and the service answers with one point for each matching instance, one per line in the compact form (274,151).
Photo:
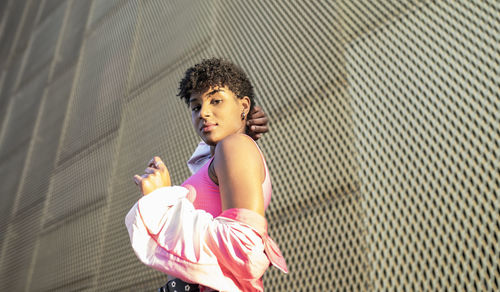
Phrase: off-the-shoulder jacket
(230,252)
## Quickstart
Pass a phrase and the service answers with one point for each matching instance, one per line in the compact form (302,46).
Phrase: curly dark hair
(216,72)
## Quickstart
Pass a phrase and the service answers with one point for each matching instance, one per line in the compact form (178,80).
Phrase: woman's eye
(195,108)
(216,101)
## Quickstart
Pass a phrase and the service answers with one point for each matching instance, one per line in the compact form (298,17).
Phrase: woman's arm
(229,252)
(240,172)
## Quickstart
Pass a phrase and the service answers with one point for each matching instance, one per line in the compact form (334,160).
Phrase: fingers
(152,162)
(137,179)
(257,117)
(156,162)
(257,109)
(257,112)
(156,175)
(257,130)
(258,121)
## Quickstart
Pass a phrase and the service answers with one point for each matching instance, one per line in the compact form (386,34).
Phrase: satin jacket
(230,252)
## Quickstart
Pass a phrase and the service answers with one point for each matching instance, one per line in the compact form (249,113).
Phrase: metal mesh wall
(425,96)
(383,146)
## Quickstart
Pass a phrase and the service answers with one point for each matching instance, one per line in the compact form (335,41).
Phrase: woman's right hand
(257,123)
(156,176)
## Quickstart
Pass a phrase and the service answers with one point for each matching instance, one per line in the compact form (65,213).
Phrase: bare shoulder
(237,144)
(239,151)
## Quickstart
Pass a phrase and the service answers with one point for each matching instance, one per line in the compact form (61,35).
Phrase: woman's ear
(245,102)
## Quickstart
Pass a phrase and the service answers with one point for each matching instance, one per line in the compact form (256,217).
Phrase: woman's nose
(204,111)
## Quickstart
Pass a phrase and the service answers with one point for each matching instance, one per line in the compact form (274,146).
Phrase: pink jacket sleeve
(228,253)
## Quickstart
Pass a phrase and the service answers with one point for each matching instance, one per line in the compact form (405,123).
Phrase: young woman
(211,231)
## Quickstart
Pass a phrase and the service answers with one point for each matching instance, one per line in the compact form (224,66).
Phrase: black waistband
(177,285)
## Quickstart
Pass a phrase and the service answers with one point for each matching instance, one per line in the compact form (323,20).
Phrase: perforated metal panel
(11,173)
(21,119)
(72,36)
(17,253)
(103,8)
(10,80)
(81,182)
(49,6)
(425,97)
(383,144)
(44,42)
(66,256)
(100,90)
(160,44)
(41,161)
(26,26)
(12,21)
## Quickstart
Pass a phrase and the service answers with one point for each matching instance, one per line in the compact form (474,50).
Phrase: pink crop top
(207,192)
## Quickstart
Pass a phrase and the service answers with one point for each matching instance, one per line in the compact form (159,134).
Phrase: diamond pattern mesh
(433,212)
(383,144)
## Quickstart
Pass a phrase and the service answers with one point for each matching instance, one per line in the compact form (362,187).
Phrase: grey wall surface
(383,149)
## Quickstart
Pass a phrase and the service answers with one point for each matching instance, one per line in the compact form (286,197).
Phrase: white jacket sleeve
(168,234)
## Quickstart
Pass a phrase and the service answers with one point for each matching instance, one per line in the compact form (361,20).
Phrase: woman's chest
(207,195)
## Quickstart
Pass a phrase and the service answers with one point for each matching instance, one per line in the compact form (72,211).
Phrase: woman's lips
(208,127)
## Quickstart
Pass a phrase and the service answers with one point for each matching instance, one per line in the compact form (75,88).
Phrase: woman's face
(216,113)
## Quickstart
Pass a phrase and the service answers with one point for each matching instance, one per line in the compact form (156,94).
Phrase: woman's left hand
(156,176)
